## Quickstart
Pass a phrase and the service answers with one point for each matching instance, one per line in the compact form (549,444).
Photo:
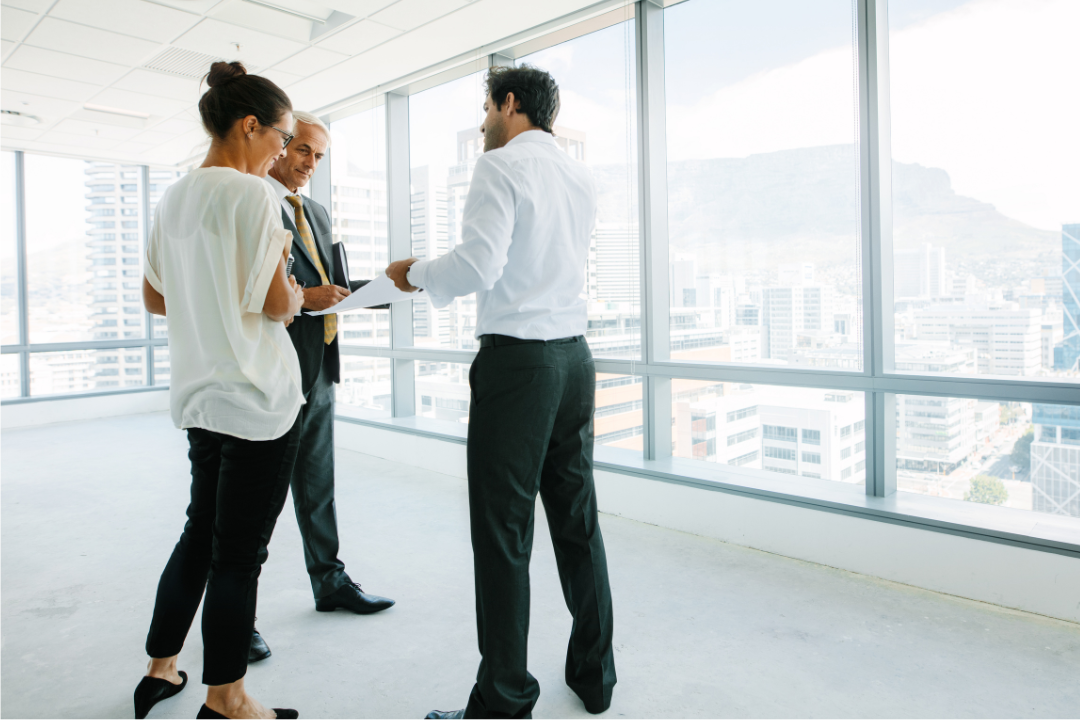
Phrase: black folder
(341,265)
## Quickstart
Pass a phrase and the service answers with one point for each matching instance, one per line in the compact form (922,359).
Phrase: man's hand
(398,272)
(324,296)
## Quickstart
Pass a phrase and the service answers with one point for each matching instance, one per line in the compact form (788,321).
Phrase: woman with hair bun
(216,260)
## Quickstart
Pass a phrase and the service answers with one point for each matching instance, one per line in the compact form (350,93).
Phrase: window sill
(1020,528)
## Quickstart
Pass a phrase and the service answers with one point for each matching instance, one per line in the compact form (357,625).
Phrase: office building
(1055,460)
(1070,296)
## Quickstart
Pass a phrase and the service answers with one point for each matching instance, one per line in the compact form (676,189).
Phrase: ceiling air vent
(183,63)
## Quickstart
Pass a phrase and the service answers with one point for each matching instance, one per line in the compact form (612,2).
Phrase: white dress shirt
(282,192)
(213,250)
(525,238)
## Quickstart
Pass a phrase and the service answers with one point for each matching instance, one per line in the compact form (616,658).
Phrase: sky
(985,90)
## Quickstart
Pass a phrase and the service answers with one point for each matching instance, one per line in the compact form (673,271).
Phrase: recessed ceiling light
(287,11)
(116,111)
(14,117)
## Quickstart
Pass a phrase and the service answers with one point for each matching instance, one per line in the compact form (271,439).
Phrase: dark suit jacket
(307,331)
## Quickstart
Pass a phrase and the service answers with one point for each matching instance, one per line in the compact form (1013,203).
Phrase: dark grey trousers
(530,431)
(313,490)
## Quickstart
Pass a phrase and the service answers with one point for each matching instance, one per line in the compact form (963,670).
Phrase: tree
(1021,452)
(987,489)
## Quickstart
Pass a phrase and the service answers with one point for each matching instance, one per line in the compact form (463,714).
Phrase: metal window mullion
(875,204)
(20,259)
(653,225)
(399,217)
(144,203)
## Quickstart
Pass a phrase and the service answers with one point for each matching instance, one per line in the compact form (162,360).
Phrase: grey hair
(299,116)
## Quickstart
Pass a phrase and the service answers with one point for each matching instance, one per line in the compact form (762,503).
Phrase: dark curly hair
(534,88)
(234,94)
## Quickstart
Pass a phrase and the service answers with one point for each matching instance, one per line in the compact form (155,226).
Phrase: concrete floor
(702,629)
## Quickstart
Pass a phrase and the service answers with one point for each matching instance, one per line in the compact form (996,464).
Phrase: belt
(487,341)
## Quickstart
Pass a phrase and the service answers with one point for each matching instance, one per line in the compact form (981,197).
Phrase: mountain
(802,206)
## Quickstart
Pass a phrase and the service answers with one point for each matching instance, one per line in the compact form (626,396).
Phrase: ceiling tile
(15,23)
(47,86)
(264,19)
(6,46)
(63,138)
(130,17)
(153,137)
(409,14)
(257,50)
(138,102)
(14,132)
(34,6)
(357,8)
(63,36)
(195,6)
(280,78)
(359,38)
(311,61)
(62,65)
(102,130)
(48,109)
(160,85)
(176,126)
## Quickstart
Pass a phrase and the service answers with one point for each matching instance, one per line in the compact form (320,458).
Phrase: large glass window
(9,268)
(596,124)
(442,391)
(619,420)
(10,376)
(763,182)
(84,250)
(365,387)
(1018,455)
(811,433)
(444,143)
(359,212)
(986,198)
(76,371)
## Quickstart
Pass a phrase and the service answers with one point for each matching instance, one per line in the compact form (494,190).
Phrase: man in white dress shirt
(526,228)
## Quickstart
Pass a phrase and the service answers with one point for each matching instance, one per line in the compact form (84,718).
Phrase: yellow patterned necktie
(329,321)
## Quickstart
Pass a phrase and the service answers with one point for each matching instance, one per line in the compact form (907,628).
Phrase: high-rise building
(934,434)
(1055,459)
(789,311)
(1070,296)
(1008,339)
(920,272)
(359,211)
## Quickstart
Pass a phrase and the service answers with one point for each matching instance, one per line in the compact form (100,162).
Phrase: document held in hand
(379,291)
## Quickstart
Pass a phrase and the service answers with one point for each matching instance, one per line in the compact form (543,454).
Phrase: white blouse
(213,250)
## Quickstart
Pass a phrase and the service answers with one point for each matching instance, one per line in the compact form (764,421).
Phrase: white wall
(83,408)
(1031,580)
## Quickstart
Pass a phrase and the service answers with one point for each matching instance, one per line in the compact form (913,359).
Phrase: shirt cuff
(416,276)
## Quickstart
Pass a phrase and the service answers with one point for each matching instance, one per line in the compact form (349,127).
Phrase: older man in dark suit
(316,341)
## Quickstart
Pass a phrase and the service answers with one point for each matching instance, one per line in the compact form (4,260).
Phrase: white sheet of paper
(379,291)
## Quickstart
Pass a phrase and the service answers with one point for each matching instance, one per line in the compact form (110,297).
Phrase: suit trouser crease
(313,490)
(238,489)
(530,432)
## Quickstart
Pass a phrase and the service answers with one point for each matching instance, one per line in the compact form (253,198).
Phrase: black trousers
(530,431)
(238,489)
(313,489)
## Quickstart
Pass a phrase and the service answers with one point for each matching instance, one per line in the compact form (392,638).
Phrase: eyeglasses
(288,137)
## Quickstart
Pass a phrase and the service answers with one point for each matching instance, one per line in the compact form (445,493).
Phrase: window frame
(878,378)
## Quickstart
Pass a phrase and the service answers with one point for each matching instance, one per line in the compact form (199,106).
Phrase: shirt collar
(280,190)
(530,136)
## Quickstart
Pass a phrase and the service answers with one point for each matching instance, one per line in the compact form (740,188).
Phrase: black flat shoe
(150,691)
(205,712)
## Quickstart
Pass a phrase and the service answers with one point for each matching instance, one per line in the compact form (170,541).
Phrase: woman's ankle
(164,669)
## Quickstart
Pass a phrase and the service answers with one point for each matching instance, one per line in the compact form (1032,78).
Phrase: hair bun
(222,72)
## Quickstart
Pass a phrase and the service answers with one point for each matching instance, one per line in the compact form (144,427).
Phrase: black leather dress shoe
(208,714)
(151,691)
(351,597)
(445,714)
(259,650)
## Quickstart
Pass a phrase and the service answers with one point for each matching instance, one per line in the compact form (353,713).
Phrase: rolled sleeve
(263,271)
(417,277)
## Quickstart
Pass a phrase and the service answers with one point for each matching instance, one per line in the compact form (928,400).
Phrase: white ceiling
(61,55)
